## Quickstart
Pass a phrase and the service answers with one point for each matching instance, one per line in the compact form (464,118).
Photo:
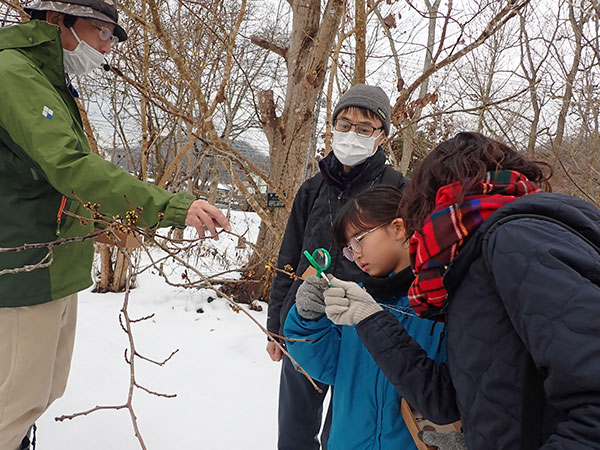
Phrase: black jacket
(316,204)
(541,301)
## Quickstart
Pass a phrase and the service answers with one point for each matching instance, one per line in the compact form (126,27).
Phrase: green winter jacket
(44,155)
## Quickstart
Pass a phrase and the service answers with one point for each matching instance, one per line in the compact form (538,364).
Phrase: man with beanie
(361,122)
(45,167)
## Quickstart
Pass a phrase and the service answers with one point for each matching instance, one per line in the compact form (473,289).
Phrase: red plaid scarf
(444,232)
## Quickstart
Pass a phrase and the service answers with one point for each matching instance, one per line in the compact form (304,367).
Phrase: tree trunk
(289,135)
(103,284)
(577,26)
(114,264)
(214,185)
(257,277)
(120,274)
(360,68)
(410,131)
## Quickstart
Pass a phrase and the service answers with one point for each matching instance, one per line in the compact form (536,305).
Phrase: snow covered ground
(226,385)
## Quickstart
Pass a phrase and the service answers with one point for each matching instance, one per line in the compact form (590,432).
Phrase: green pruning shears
(320,260)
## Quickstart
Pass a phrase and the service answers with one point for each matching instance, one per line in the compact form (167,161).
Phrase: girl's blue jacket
(366,406)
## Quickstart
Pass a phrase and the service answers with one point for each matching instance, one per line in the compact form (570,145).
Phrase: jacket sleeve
(320,356)
(37,123)
(425,384)
(552,296)
(289,254)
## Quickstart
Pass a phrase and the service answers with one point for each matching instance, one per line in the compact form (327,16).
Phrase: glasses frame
(355,247)
(355,125)
(108,35)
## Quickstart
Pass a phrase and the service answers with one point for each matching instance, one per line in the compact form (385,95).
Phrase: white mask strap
(75,34)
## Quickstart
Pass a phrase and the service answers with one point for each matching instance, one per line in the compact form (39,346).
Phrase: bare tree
(534,52)
(576,142)
(409,130)
(360,19)
(405,108)
(578,18)
(182,90)
(289,132)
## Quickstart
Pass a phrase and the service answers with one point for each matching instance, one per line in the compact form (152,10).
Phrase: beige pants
(36,345)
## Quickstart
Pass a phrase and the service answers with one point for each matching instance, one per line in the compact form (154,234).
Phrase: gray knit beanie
(372,98)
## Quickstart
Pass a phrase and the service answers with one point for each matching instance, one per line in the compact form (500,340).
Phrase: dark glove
(444,441)
(348,303)
(310,302)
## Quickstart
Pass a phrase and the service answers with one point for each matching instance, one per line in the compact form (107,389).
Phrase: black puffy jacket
(539,302)
(317,202)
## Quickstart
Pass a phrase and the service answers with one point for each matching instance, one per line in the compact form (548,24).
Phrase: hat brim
(79,11)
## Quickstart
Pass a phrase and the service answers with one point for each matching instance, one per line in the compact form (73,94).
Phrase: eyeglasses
(354,245)
(104,33)
(344,126)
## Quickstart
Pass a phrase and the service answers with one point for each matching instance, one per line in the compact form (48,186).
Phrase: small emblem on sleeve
(47,112)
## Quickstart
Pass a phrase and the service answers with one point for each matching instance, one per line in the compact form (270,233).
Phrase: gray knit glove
(444,441)
(310,303)
(347,303)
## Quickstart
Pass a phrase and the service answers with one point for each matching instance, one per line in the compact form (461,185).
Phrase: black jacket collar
(342,182)
(391,287)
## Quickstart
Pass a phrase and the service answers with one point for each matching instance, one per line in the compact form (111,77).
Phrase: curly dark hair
(466,157)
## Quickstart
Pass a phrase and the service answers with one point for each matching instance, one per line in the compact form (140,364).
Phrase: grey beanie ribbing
(372,98)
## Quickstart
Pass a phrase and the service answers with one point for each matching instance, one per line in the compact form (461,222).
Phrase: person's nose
(357,254)
(105,47)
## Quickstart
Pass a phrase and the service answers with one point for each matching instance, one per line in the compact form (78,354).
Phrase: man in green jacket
(45,166)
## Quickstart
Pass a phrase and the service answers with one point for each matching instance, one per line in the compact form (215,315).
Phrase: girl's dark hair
(375,206)
(466,156)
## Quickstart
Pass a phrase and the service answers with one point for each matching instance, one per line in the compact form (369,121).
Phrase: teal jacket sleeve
(320,356)
(42,125)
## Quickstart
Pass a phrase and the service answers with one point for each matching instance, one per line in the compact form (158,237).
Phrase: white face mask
(352,149)
(83,59)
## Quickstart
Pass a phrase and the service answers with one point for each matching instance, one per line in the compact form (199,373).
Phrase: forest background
(230,99)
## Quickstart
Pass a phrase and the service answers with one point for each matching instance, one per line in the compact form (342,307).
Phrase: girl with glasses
(366,407)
